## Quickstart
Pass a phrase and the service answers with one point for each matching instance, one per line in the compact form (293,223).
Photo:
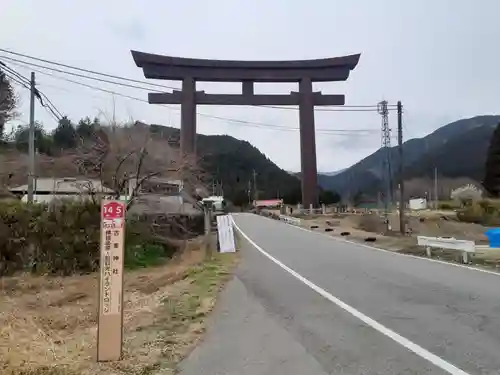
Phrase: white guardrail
(466,247)
(290,220)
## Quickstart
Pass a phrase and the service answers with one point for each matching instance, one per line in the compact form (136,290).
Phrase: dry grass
(48,326)
(434,224)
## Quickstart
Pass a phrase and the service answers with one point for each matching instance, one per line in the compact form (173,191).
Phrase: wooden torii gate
(305,72)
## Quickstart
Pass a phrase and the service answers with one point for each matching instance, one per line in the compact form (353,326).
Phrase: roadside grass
(485,258)
(48,326)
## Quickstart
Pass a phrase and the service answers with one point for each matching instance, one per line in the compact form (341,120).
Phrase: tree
(43,142)
(357,198)
(132,158)
(8,102)
(240,198)
(293,196)
(329,197)
(64,135)
(491,181)
(466,194)
(86,127)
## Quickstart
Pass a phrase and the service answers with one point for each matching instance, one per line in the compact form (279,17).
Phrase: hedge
(64,239)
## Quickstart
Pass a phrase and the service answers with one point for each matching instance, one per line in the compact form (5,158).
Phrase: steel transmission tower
(386,164)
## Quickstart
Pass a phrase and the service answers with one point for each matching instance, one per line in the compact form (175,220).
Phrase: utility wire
(341,109)
(25,82)
(6,68)
(15,79)
(81,75)
(243,122)
(86,70)
(357,108)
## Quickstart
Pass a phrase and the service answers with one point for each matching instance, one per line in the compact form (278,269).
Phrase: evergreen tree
(65,134)
(491,181)
(329,197)
(86,127)
(43,142)
(8,102)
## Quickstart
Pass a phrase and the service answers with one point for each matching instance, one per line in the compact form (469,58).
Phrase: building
(156,185)
(162,196)
(48,189)
(269,203)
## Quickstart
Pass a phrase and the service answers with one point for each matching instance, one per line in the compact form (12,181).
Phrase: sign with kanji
(110,327)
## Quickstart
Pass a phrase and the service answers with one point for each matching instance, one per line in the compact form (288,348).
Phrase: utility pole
(31,139)
(435,188)
(401,168)
(249,192)
(255,185)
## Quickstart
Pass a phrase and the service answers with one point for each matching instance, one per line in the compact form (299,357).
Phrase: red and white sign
(113,210)
(110,322)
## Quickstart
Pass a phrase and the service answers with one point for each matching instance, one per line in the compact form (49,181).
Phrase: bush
(445,206)
(65,239)
(482,212)
(372,223)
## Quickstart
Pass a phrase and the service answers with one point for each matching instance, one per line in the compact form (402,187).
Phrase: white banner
(226,234)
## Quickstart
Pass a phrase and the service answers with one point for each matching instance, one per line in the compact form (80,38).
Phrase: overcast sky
(441,58)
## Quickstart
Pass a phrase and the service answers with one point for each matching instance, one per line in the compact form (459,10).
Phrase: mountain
(334,173)
(457,149)
(232,162)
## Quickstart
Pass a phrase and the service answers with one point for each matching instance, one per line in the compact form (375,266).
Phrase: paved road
(443,319)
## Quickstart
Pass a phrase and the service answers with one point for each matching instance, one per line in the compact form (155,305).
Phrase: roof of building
(64,185)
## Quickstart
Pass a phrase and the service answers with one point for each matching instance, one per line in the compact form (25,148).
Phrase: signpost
(110,323)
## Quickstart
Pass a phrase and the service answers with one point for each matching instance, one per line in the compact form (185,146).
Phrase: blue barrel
(493,235)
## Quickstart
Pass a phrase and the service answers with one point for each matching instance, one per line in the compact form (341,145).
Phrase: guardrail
(464,246)
(290,220)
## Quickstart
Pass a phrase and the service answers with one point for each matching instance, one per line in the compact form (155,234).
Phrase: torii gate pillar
(305,72)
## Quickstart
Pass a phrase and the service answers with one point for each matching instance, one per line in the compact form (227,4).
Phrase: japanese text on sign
(112,237)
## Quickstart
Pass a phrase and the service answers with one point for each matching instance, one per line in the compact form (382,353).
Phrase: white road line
(401,254)
(434,359)
(391,252)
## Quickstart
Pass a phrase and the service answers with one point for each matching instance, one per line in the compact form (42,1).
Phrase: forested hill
(232,162)
(457,150)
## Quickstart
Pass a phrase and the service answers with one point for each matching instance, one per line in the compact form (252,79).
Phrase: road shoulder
(243,339)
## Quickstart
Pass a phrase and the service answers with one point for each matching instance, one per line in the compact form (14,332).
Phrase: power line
(85,70)
(344,108)
(81,75)
(25,82)
(14,79)
(12,71)
(51,104)
(243,122)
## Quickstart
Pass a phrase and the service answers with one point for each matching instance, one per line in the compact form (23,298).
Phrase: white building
(47,189)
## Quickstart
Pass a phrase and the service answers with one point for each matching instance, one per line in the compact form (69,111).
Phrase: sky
(439,57)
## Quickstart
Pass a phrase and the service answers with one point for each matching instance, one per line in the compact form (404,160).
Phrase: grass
(147,255)
(361,227)
(48,325)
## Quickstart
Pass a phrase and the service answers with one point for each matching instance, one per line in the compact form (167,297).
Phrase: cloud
(132,29)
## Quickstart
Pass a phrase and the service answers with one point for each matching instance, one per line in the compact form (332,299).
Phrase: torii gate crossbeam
(305,72)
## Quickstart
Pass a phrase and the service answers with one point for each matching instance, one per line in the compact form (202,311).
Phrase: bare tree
(466,194)
(127,158)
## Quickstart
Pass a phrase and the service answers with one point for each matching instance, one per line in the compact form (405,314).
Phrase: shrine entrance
(305,72)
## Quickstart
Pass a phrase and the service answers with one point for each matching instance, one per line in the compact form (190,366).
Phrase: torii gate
(305,72)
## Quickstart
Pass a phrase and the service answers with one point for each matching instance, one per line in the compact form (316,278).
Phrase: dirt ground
(49,325)
(423,223)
